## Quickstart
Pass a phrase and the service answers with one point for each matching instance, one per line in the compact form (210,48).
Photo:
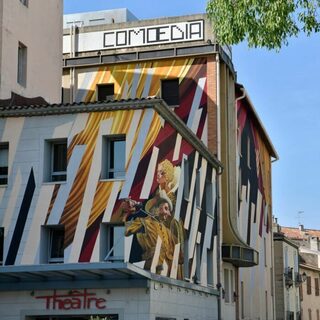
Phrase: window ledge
(112,180)
(3,185)
(53,182)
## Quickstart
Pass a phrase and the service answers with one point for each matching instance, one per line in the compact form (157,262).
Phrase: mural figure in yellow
(158,231)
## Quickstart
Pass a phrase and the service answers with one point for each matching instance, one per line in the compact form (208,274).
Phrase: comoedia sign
(152,35)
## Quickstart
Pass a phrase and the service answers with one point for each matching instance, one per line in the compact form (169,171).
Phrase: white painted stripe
(193,236)
(258,208)
(79,125)
(135,81)
(137,153)
(204,136)
(240,219)
(196,101)
(177,148)
(254,227)
(127,247)
(147,84)
(203,174)
(112,200)
(125,92)
(147,184)
(206,245)
(88,198)
(32,247)
(196,121)
(175,262)
(156,255)
(85,79)
(192,187)
(95,257)
(132,133)
(180,192)
(65,188)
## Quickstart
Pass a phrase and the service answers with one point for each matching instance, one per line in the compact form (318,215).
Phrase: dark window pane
(116,158)
(170,91)
(59,157)
(105,92)
(1,245)
(57,241)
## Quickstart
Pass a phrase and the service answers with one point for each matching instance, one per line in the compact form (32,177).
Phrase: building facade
(288,277)
(95,201)
(180,223)
(30,51)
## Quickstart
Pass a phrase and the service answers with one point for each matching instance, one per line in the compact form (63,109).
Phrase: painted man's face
(164,211)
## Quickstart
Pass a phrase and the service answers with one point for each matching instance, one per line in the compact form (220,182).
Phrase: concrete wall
(39,28)
(130,304)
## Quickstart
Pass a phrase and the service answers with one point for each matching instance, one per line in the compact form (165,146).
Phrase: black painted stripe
(21,221)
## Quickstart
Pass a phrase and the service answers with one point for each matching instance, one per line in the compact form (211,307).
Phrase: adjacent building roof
(300,233)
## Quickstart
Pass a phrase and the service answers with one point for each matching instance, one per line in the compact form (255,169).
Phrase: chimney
(301,227)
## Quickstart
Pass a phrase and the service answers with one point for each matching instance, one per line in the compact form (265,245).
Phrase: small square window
(114,157)
(55,165)
(105,91)
(4,155)
(1,245)
(22,65)
(24,2)
(170,91)
(112,242)
(55,244)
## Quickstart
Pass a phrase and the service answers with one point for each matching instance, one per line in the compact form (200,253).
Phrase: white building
(30,50)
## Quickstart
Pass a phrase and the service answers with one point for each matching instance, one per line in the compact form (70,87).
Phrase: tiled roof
(296,233)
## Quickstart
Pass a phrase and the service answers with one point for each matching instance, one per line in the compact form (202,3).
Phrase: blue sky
(284,88)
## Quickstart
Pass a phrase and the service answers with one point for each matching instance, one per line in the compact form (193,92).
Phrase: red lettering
(75,300)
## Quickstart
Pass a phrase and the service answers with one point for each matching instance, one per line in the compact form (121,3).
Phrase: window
(265,251)
(105,92)
(55,241)
(226,286)
(170,91)
(4,154)
(316,286)
(197,187)
(114,157)
(22,65)
(309,285)
(55,165)
(242,299)
(112,242)
(24,2)
(1,245)
(310,314)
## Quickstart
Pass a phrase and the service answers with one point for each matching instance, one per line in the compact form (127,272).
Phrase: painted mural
(254,213)
(163,201)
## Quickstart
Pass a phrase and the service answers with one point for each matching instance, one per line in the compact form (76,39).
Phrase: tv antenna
(300,217)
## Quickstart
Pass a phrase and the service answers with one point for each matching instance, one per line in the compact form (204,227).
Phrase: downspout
(219,206)
(72,55)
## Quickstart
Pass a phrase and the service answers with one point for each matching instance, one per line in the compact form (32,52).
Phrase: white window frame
(48,167)
(22,64)
(107,170)
(111,242)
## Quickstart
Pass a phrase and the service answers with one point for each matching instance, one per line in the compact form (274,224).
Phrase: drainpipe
(72,55)
(219,205)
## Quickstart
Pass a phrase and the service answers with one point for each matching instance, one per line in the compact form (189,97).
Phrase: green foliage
(263,23)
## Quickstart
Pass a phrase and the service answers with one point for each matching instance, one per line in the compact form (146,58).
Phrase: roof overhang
(99,275)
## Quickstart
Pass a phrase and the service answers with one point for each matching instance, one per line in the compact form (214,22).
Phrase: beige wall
(39,27)
(287,297)
(310,302)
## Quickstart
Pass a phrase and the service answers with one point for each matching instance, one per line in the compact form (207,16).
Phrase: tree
(263,23)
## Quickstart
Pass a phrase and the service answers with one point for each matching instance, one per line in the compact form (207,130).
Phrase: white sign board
(139,36)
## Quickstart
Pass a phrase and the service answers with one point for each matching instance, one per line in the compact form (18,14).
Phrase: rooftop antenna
(300,218)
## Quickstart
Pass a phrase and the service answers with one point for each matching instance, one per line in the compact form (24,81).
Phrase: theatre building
(130,199)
